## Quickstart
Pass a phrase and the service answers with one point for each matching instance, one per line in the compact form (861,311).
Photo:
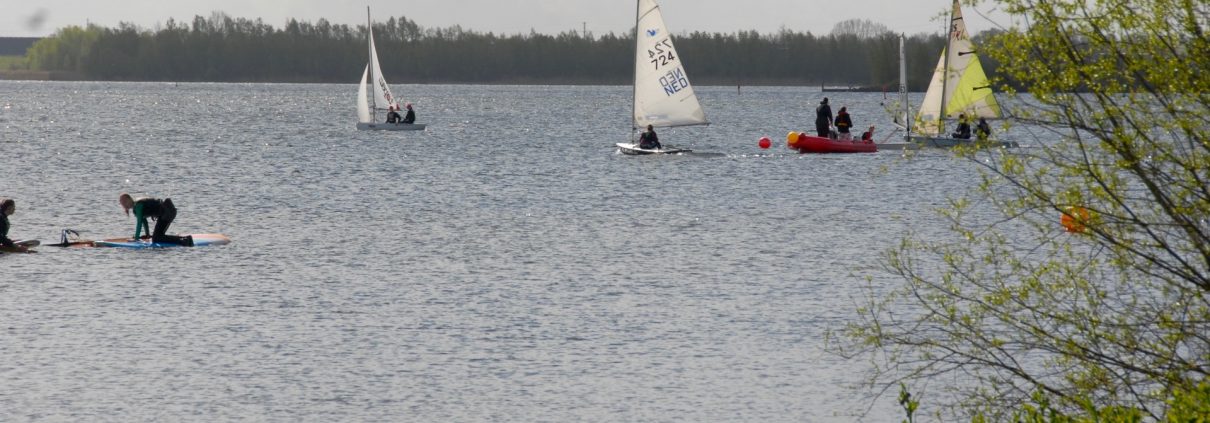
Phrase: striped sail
(383,98)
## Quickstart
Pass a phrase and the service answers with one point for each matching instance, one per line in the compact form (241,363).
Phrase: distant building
(16,46)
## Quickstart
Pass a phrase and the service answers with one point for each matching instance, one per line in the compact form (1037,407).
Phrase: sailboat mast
(370,60)
(634,81)
(945,75)
(903,89)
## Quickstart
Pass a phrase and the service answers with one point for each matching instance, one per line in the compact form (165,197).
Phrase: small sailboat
(959,87)
(379,97)
(662,94)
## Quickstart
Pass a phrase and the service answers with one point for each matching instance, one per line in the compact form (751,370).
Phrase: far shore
(31,75)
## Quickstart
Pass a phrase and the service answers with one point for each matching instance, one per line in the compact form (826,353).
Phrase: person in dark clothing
(964,128)
(843,123)
(393,116)
(7,208)
(410,116)
(983,131)
(868,135)
(163,211)
(823,118)
(649,140)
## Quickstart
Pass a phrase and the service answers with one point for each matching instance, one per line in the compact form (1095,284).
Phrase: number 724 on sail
(662,53)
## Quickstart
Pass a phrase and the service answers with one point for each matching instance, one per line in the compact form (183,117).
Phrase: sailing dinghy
(959,86)
(378,97)
(662,94)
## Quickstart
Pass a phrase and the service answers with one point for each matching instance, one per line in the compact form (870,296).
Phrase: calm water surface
(505,265)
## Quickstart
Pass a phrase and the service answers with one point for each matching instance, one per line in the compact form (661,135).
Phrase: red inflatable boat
(811,144)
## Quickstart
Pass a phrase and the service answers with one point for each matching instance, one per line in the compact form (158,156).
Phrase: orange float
(1074,218)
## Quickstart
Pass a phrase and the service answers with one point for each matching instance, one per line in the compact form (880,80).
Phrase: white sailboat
(370,100)
(959,87)
(662,94)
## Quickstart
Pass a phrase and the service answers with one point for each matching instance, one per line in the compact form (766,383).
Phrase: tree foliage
(222,48)
(1115,317)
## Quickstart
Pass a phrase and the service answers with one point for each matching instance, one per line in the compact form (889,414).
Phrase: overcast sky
(35,18)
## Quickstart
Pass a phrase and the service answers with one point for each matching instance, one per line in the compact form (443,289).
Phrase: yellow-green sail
(959,84)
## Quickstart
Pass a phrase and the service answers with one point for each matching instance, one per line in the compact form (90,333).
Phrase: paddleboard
(633,149)
(199,240)
(29,243)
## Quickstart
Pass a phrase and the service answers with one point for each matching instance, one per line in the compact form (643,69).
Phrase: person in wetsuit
(983,131)
(823,118)
(964,128)
(163,211)
(649,140)
(410,116)
(393,116)
(7,208)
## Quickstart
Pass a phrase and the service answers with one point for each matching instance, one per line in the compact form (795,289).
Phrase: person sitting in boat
(843,123)
(649,140)
(393,115)
(868,136)
(823,118)
(7,208)
(163,211)
(983,131)
(964,128)
(410,116)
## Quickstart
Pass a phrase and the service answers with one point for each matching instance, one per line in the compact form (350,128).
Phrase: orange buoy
(1074,218)
(791,139)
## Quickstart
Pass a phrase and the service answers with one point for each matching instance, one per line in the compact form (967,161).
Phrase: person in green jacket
(7,208)
(163,211)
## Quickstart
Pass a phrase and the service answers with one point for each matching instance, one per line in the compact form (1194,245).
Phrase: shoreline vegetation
(856,53)
(69,76)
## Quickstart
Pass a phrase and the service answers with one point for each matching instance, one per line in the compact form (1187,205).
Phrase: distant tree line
(225,49)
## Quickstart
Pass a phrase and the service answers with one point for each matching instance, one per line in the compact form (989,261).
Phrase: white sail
(959,85)
(363,103)
(383,98)
(663,96)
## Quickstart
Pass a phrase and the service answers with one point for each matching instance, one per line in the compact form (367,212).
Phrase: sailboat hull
(634,150)
(942,142)
(361,126)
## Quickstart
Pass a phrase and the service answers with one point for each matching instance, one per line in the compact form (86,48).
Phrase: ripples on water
(506,264)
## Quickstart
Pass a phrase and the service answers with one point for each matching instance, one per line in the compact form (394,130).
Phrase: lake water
(505,265)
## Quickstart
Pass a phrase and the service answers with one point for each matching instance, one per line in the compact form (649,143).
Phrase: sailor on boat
(868,136)
(648,140)
(410,116)
(964,128)
(393,115)
(983,131)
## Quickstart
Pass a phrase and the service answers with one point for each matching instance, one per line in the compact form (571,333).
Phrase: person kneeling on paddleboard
(161,210)
(7,208)
(649,140)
